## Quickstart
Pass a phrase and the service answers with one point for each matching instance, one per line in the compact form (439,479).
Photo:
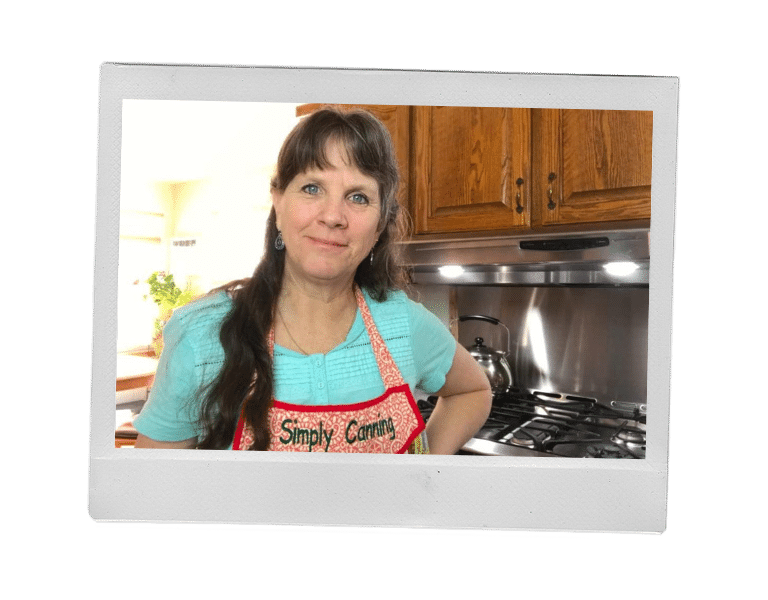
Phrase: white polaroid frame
(381,490)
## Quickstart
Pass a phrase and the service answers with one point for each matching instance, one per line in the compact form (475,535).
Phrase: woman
(318,350)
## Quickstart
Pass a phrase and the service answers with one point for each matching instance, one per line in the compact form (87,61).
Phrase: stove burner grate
(560,424)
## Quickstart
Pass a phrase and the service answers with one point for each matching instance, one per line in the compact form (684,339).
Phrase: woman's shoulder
(398,307)
(205,307)
(203,315)
(393,297)
(395,301)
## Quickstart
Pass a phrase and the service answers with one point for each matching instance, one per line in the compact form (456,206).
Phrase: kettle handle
(479,318)
(490,320)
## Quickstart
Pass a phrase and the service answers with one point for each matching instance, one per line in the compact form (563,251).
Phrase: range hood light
(620,269)
(451,271)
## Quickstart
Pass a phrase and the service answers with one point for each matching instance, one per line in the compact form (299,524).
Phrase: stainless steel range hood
(616,257)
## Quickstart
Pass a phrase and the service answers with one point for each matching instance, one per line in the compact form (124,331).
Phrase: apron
(389,424)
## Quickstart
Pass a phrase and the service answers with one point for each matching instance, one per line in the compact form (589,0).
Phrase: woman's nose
(332,211)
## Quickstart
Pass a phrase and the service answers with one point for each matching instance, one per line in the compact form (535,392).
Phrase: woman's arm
(463,406)
(144,442)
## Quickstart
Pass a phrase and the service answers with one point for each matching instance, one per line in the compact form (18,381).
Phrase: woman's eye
(359,198)
(311,188)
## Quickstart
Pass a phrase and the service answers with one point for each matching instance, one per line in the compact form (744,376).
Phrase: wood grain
(466,162)
(602,163)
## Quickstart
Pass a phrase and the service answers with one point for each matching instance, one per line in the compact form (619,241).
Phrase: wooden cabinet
(471,168)
(397,121)
(591,165)
(568,167)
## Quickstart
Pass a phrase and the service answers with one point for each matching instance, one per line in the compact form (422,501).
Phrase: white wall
(205,167)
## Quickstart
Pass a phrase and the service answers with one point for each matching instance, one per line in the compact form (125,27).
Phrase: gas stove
(537,423)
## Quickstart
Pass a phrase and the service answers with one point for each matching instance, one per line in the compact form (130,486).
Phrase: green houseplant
(168,296)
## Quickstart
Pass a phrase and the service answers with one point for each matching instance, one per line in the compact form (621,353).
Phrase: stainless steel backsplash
(591,341)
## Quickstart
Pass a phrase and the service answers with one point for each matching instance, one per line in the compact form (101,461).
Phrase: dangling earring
(371,256)
(279,244)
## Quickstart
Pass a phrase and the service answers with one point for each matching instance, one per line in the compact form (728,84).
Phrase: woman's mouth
(327,243)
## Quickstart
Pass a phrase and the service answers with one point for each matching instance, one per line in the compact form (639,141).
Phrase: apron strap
(390,374)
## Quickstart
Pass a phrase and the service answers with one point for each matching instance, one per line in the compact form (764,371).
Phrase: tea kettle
(493,362)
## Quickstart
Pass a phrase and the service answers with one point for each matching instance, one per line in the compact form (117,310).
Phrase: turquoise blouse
(418,341)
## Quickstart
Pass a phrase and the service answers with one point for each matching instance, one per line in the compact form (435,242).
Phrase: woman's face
(329,220)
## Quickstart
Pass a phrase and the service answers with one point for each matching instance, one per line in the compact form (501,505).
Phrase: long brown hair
(245,381)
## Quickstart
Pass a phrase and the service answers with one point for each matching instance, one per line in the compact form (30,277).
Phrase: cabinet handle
(551,205)
(519,183)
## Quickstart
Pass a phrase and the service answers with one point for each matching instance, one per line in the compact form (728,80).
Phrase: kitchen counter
(134,372)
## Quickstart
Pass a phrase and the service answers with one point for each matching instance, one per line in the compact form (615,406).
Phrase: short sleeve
(169,414)
(433,348)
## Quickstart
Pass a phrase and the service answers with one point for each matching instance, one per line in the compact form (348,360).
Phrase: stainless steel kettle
(493,362)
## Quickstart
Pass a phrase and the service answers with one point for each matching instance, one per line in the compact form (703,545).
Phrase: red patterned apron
(390,424)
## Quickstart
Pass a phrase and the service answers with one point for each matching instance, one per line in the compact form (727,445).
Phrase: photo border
(381,490)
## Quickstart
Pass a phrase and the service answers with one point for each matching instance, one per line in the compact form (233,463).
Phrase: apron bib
(389,424)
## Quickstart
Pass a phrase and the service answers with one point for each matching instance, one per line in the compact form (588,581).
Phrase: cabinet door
(397,121)
(591,165)
(467,163)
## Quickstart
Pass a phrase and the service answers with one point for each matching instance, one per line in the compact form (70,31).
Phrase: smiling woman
(321,340)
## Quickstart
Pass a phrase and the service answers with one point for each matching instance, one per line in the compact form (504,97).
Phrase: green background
(50,103)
